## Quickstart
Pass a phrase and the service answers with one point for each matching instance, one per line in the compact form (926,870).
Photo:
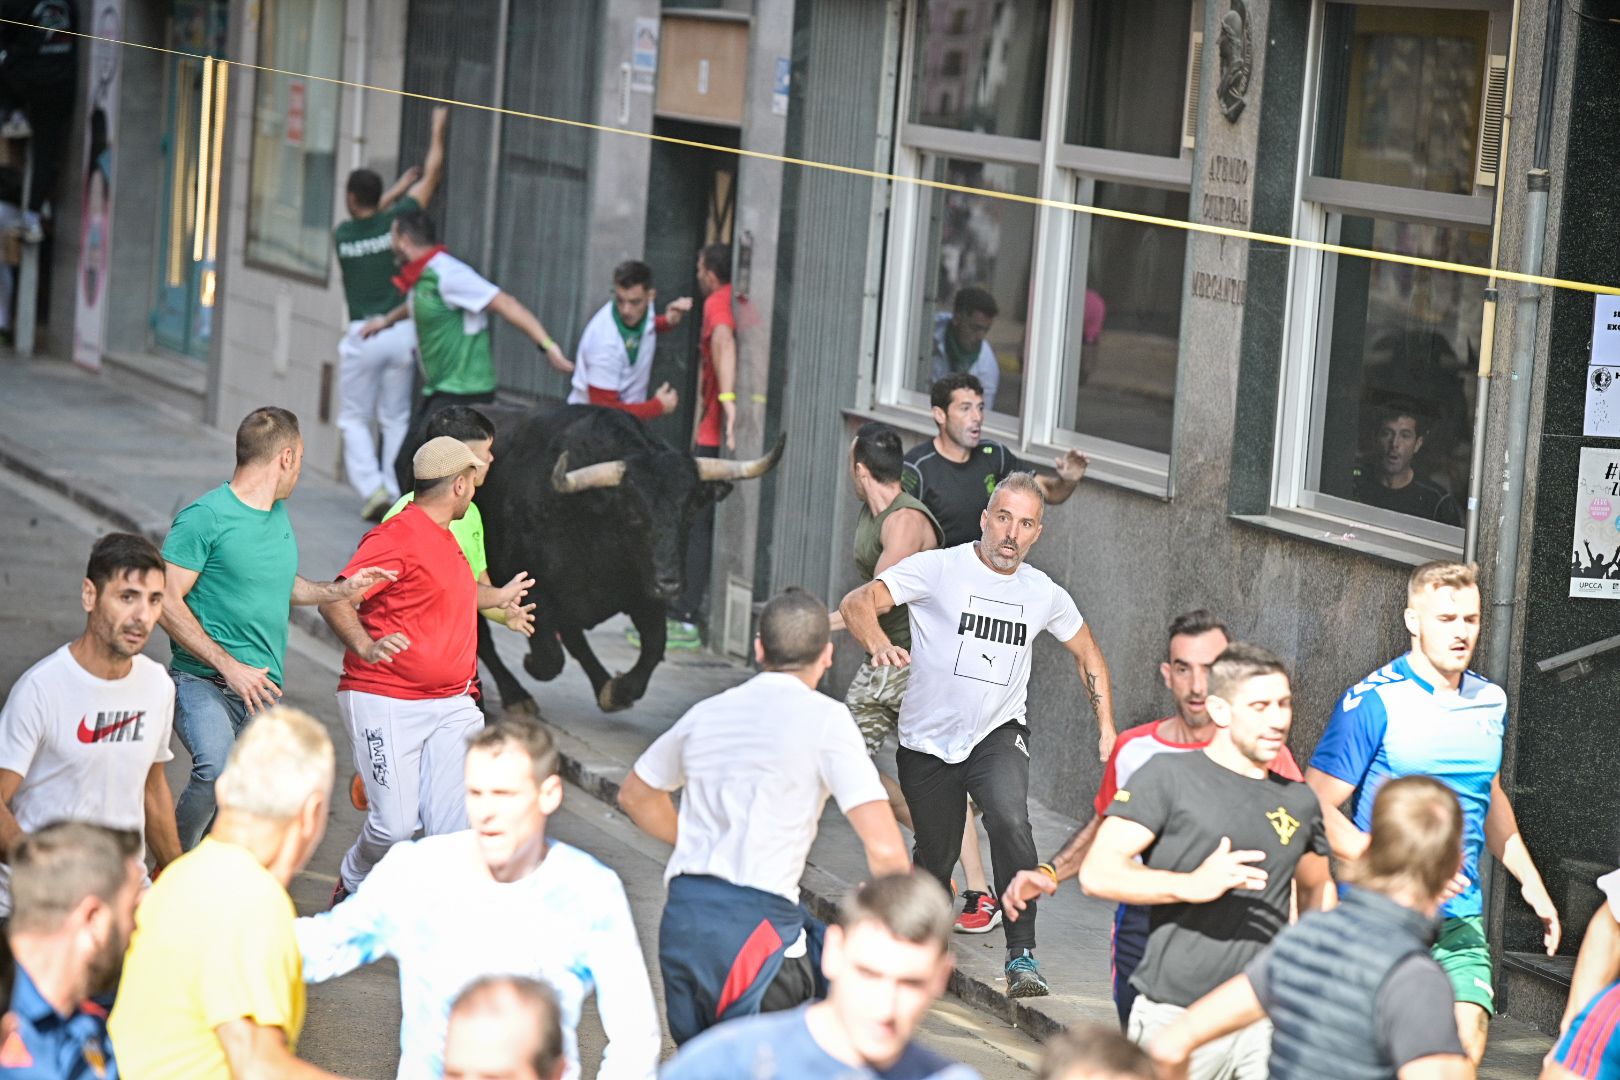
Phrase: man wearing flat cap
(411,655)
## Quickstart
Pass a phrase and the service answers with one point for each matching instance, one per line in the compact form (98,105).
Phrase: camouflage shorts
(874,698)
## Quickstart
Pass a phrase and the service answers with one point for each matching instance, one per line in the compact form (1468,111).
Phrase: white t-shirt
(460,286)
(84,745)
(601,360)
(758,763)
(972,630)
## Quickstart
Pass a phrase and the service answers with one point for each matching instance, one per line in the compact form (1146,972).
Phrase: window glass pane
(1400,96)
(975,259)
(1397,353)
(1125,320)
(1127,89)
(981,66)
(291,187)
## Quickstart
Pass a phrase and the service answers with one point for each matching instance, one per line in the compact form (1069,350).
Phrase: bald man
(504,1027)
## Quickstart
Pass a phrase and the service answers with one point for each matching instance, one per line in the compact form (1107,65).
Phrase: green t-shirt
(246,561)
(366,256)
(469,532)
(452,331)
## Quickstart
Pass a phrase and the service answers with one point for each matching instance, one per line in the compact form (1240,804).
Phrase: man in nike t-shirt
(85,732)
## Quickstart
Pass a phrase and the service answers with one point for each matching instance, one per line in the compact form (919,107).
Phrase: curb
(582,765)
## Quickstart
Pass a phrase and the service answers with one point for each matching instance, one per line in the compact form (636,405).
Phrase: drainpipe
(1504,578)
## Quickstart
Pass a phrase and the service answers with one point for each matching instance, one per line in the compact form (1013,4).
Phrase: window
(1087,105)
(1379,417)
(292,182)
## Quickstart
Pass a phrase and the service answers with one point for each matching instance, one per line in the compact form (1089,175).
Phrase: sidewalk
(137,464)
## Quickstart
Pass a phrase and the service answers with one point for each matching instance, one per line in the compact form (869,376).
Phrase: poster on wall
(1594,561)
(95,218)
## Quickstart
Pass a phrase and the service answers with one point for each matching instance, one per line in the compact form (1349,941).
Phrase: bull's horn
(721,469)
(604,474)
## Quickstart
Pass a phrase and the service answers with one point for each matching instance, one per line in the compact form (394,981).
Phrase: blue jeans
(208,718)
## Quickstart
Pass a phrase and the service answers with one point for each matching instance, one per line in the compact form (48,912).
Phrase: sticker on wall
(779,89)
(644,55)
(1606,330)
(1602,402)
(1594,560)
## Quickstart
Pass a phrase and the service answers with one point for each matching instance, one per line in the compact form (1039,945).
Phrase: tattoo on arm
(1091,691)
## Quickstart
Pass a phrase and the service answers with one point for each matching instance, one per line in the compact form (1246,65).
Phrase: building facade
(1238,399)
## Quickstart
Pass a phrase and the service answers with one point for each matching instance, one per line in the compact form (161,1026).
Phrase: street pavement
(353,1022)
(137,464)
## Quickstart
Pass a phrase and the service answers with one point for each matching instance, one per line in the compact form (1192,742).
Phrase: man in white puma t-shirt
(85,732)
(975,611)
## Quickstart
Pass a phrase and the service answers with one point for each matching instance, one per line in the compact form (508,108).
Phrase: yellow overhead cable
(876,174)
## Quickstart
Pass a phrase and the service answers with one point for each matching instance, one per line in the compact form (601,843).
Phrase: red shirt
(434,603)
(1135,746)
(716,312)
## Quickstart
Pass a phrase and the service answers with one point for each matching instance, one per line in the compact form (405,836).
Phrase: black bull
(597,511)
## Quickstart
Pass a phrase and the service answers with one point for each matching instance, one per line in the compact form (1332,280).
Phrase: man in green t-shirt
(450,304)
(231,574)
(375,373)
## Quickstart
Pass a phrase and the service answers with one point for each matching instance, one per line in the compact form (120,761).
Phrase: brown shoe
(357,793)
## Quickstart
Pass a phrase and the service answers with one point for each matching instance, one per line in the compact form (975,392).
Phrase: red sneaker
(357,793)
(980,914)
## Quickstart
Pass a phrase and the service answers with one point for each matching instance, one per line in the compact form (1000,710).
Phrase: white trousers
(412,756)
(374,383)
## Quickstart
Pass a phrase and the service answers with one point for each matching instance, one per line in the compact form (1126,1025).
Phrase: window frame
(262,70)
(1062,169)
(1320,204)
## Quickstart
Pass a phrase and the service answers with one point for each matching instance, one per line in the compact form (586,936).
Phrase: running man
(84,734)
(375,373)
(450,305)
(1353,993)
(1212,841)
(716,427)
(1196,639)
(975,612)
(1587,1048)
(886,963)
(954,472)
(892,526)
(613,364)
(1425,712)
(411,657)
(734,939)
(230,576)
(498,899)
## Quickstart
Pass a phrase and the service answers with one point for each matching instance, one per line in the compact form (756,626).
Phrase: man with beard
(74,889)
(975,612)
(1196,639)
(1425,712)
(84,735)
(1390,482)
(1211,842)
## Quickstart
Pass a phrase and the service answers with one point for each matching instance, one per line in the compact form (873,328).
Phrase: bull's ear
(712,492)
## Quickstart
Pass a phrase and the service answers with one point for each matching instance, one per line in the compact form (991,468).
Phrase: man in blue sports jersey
(1425,712)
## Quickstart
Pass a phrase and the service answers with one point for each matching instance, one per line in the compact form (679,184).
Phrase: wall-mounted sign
(644,55)
(1594,561)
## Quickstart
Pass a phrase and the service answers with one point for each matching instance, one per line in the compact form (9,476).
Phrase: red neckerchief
(408,274)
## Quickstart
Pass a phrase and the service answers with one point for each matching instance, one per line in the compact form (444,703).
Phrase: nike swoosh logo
(89,735)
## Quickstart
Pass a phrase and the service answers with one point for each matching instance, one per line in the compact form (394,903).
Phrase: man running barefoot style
(1425,712)
(975,612)
(886,962)
(1197,638)
(1212,842)
(892,526)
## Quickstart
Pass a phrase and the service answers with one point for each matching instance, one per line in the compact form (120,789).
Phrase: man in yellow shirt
(213,983)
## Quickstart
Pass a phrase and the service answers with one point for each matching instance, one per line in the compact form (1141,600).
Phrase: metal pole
(27,311)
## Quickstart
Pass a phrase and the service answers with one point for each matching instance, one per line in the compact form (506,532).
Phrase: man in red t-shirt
(412,652)
(717,424)
(1196,639)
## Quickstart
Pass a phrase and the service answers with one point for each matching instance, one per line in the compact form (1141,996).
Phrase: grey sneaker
(1024,975)
(377,505)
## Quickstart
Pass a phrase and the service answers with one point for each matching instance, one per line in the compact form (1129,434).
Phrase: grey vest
(1323,977)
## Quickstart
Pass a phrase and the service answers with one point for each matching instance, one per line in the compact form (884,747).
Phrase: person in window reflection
(1388,481)
(960,345)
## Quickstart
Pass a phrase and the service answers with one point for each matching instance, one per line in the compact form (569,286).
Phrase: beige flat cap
(444,456)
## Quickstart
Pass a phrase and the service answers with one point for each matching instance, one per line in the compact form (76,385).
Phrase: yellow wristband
(1049,870)
(728,396)
(547,345)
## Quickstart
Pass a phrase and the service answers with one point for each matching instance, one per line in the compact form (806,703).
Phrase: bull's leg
(627,689)
(513,696)
(545,660)
(573,640)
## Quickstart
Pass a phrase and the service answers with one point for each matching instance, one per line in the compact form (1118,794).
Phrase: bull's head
(672,488)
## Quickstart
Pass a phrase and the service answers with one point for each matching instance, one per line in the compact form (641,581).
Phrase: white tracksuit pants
(412,756)
(374,382)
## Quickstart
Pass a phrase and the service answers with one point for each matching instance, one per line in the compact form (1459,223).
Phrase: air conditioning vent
(1195,90)
(1490,122)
